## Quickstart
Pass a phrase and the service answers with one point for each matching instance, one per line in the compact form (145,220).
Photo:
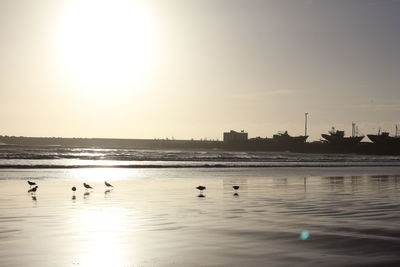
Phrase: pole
(305,124)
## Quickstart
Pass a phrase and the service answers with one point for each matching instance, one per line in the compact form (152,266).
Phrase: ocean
(60,157)
(290,210)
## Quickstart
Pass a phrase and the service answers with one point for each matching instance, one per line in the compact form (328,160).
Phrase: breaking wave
(60,157)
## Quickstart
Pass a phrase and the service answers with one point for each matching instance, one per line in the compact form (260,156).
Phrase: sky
(193,69)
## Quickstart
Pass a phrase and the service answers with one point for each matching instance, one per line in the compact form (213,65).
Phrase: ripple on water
(348,223)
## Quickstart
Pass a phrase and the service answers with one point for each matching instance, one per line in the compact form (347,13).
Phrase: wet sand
(150,220)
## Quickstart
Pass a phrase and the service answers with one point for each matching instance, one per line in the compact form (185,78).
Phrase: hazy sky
(193,69)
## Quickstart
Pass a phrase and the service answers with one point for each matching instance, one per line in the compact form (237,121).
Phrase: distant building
(235,136)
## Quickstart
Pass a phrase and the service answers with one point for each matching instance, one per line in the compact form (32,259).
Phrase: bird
(73,188)
(31,183)
(108,184)
(235,187)
(201,188)
(33,190)
(87,186)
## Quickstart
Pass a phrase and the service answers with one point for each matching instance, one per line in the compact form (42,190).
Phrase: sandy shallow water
(156,218)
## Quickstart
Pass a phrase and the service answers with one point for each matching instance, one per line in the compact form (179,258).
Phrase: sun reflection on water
(103,174)
(101,234)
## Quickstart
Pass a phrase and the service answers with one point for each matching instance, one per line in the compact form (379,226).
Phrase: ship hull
(352,140)
(384,140)
(282,139)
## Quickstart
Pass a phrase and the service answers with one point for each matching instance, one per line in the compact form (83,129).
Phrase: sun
(106,43)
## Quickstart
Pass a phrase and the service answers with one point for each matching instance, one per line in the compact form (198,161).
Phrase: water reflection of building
(235,136)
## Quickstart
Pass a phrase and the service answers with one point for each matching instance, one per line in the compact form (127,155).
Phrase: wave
(67,158)
(217,165)
(184,156)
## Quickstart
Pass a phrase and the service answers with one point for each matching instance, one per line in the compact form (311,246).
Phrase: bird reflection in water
(201,195)
(86,195)
(107,193)
(34,198)
(236,194)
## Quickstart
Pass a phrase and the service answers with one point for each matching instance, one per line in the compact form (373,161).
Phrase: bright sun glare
(107,43)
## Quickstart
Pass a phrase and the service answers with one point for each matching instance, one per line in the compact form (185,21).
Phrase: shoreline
(186,174)
(205,166)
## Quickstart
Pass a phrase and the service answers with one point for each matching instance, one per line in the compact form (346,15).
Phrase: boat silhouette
(337,137)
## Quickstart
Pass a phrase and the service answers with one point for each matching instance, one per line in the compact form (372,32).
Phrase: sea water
(290,209)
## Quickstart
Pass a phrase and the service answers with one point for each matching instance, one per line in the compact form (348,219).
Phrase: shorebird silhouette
(235,187)
(201,188)
(33,190)
(73,188)
(87,186)
(108,184)
(31,183)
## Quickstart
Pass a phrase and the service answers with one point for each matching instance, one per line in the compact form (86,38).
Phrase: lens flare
(304,235)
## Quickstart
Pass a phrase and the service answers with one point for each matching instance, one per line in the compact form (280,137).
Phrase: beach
(156,217)
(181,133)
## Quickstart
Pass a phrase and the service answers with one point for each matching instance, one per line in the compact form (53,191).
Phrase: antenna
(305,124)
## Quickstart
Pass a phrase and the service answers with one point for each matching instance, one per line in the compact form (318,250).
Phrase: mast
(305,124)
